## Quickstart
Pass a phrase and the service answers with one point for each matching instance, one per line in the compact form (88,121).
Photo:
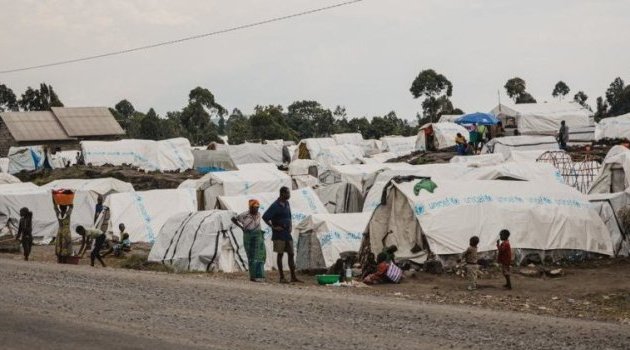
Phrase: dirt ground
(52,306)
(596,290)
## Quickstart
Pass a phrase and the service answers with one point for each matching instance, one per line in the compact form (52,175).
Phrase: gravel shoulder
(70,307)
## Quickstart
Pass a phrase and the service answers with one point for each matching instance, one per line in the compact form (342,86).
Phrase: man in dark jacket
(25,231)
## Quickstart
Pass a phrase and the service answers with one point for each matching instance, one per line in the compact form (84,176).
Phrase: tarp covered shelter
(14,197)
(4,164)
(339,155)
(608,205)
(359,174)
(208,161)
(248,153)
(341,197)
(201,241)
(8,179)
(26,158)
(304,202)
(613,128)
(543,118)
(541,216)
(372,146)
(379,158)
(443,135)
(86,193)
(351,138)
(144,213)
(507,144)
(322,237)
(480,159)
(539,172)
(166,155)
(311,148)
(614,176)
(526,156)
(400,145)
(257,178)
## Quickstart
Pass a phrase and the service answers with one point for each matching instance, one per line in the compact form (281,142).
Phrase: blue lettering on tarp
(182,163)
(540,200)
(443,203)
(309,200)
(145,217)
(483,198)
(331,236)
(510,199)
(419,209)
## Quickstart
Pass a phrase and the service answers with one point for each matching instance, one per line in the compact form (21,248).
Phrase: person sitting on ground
(390,252)
(504,256)
(124,245)
(460,144)
(99,240)
(380,276)
(471,262)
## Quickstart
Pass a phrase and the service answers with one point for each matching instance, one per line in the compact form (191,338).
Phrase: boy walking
(470,259)
(504,257)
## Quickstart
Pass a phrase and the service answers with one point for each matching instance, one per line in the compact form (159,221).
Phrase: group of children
(504,258)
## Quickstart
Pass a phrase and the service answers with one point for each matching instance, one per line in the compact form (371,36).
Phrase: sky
(363,56)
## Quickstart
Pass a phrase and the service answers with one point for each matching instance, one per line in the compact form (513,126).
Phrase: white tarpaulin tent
(349,139)
(311,148)
(248,153)
(322,237)
(372,146)
(613,128)
(4,165)
(257,178)
(479,160)
(544,118)
(614,176)
(14,197)
(201,241)
(144,213)
(207,161)
(341,197)
(27,158)
(339,155)
(399,145)
(86,193)
(526,156)
(304,202)
(443,135)
(539,172)
(506,145)
(359,174)
(166,155)
(379,158)
(607,205)
(8,179)
(541,216)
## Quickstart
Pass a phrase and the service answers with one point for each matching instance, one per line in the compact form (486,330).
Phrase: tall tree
(196,117)
(309,119)
(8,100)
(42,99)
(601,110)
(560,90)
(268,123)
(221,125)
(123,111)
(581,98)
(436,89)
(614,91)
(238,128)
(150,126)
(515,89)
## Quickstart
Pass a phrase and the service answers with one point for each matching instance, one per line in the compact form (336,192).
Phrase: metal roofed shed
(87,121)
(34,126)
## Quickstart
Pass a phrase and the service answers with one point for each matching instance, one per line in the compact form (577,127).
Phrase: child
(504,257)
(380,276)
(470,259)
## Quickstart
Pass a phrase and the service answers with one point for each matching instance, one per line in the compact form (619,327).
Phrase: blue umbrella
(477,118)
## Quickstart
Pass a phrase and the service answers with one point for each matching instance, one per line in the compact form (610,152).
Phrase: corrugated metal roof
(87,121)
(34,126)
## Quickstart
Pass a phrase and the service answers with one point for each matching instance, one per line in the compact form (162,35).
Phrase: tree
(196,117)
(360,125)
(42,99)
(601,109)
(268,123)
(309,119)
(614,91)
(221,125)
(436,89)
(581,98)
(8,101)
(238,128)
(515,89)
(560,90)
(123,111)
(150,126)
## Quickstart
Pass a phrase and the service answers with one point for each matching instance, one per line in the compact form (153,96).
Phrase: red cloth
(505,253)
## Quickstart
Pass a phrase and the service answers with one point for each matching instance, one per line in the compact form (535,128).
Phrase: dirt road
(77,307)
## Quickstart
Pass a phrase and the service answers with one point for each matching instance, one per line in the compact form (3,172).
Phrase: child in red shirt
(504,257)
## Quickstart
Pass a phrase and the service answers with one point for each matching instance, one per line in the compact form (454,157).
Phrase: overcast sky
(362,56)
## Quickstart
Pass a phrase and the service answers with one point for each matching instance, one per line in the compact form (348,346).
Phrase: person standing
(99,240)
(482,130)
(504,257)
(253,240)
(473,137)
(563,135)
(278,217)
(25,231)
(63,242)
(471,260)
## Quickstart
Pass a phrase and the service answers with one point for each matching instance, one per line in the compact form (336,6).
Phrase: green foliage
(618,97)
(560,90)
(581,98)
(515,89)
(150,127)
(525,97)
(238,128)
(42,99)
(268,123)
(436,89)
(8,100)
(601,110)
